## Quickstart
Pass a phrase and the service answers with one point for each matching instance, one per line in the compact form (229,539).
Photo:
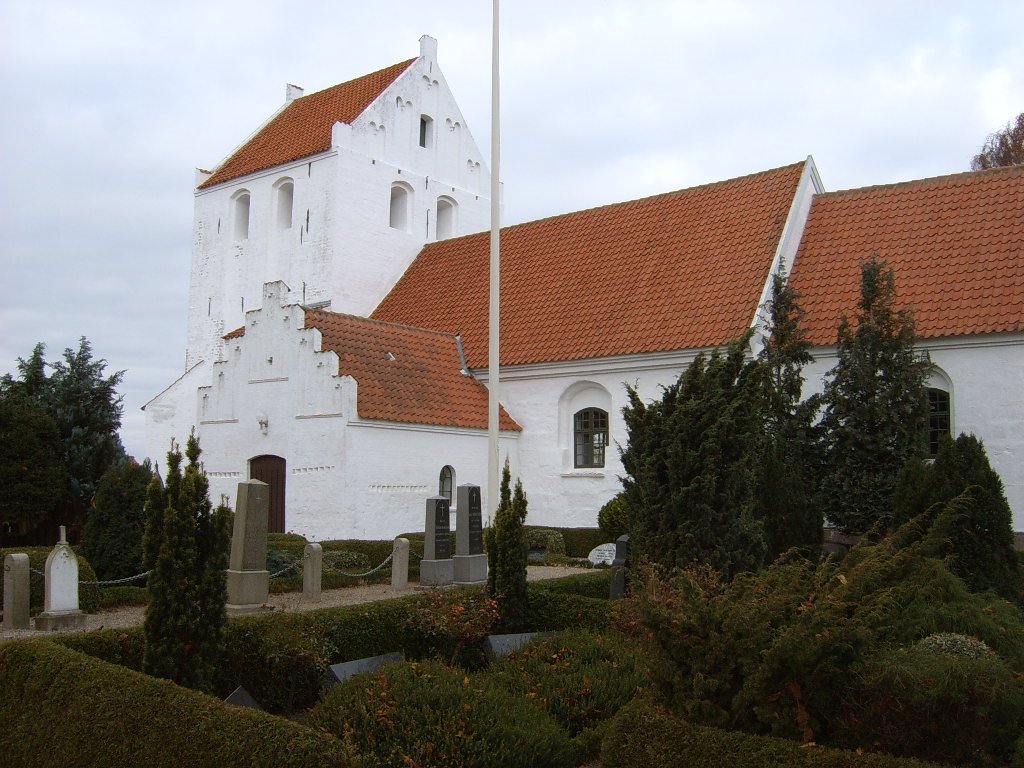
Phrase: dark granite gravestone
(339,673)
(620,569)
(242,698)
(437,567)
(470,562)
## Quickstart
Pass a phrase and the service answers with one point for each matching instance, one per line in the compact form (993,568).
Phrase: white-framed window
(590,438)
(284,201)
(447,210)
(240,214)
(401,205)
(584,427)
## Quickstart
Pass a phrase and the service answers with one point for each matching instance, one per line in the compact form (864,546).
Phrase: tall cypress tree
(875,407)
(785,502)
(506,579)
(691,464)
(186,548)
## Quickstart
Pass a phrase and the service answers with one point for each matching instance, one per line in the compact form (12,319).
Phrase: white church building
(337,324)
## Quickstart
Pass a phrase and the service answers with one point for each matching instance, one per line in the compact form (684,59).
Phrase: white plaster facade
(275,393)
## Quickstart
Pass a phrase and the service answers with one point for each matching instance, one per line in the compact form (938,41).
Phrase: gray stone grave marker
(60,604)
(242,698)
(620,569)
(339,673)
(16,591)
(400,565)
(437,567)
(312,572)
(498,646)
(470,562)
(248,581)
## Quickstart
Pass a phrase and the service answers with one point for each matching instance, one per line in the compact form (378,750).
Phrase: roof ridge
(1019,168)
(403,64)
(605,206)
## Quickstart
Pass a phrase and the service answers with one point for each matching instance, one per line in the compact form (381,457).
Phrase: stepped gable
(303,127)
(956,244)
(404,374)
(676,271)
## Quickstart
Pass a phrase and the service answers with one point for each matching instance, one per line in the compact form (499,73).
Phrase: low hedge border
(63,708)
(643,736)
(279,657)
(595,584)
(578,541)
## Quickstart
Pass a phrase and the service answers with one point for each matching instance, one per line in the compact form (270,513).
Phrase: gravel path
(131,616)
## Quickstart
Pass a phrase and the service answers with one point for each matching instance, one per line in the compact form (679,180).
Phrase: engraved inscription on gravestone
(442,528)
(476,528)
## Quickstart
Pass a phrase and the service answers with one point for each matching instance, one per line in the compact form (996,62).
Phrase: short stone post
(400,565)
(16,576)
(437,567)
(248,580)
(470,560)
(620,569)
(312,572)
(60,605)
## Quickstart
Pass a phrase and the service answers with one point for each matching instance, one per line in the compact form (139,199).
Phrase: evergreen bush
(186,546)
(116,521)
(547,539)
(428,714)
(507,556)
(613,517)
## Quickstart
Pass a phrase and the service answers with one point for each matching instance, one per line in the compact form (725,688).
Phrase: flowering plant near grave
(453,621)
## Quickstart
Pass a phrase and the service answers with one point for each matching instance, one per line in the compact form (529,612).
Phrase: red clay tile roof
(404,374)
(303,127)
(674,271)
(956,244)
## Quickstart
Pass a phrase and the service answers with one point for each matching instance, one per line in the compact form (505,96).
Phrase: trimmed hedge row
(595,584)
(280,657)
(88,594)
(643,736)
(349,555)
(63,708)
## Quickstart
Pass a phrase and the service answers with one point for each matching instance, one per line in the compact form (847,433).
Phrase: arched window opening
(426,131)
(240,215)
(590,430)
(401,199)
(939,421)
(285,200)
(446,483)
(446,208)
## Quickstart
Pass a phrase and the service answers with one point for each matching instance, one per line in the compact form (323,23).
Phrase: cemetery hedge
(279,657)
(88,594)
(63,708)
(595,584)
(645,736)
(580,541)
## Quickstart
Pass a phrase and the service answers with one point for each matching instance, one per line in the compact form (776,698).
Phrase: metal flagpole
(493,359)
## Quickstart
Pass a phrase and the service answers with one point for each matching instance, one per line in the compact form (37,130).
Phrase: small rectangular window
(591,437)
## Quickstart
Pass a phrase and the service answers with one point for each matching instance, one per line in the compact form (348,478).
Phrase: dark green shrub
(613,517)
(123,647)
(644,736)
(595,584)
(580,541)
(907,698)
(454,624)
(551,610)
(88,593)
(122,595)
(548,539)
(578,677)
(507,555)
(981,548)
(116,521)
(110,716)
(428,714)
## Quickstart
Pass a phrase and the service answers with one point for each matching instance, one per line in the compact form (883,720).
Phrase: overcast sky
(109,106)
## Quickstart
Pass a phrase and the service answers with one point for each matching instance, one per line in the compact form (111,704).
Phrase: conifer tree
(785,502)
(981,539)
(506,577)
(114,527)
(875,407)
(691,464)
(186,548)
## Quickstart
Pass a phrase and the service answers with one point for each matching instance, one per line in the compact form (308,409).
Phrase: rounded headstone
(602,554)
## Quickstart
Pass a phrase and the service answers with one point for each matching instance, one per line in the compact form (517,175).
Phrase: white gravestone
(60,605)
(602,554)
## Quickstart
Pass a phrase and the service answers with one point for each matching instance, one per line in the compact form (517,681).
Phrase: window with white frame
(590,437)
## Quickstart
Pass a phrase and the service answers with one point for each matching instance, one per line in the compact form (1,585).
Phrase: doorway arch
(271,470)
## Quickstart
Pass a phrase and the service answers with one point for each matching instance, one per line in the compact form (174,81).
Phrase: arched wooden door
(271,470)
